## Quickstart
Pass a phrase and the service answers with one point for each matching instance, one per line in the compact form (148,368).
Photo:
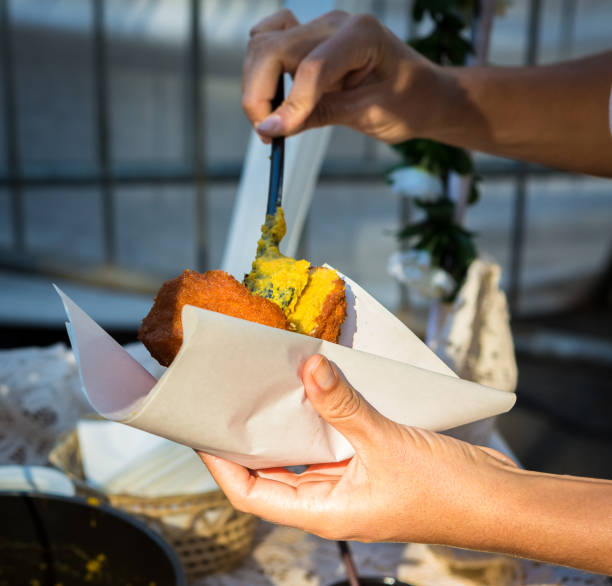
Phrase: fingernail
(324,375)
(271,125)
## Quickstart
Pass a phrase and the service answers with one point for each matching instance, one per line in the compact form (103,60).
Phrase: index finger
(283,19)
(275,49)
(261,73)
(278,502)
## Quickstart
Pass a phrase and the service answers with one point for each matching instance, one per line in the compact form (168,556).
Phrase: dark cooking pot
(373,581)
(49,540)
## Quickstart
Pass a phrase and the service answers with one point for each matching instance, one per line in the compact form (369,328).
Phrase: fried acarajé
(162,331)
(280,292)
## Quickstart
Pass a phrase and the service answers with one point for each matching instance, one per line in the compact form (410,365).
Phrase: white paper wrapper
(233,389)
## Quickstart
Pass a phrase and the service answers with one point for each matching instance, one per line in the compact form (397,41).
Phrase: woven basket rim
(63,443)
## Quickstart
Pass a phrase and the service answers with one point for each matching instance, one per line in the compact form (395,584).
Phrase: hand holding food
(391,490)
(412,485)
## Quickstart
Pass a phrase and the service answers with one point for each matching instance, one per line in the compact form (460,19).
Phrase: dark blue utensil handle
(277,158)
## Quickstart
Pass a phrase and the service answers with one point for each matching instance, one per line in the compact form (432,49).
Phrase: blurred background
(121,145)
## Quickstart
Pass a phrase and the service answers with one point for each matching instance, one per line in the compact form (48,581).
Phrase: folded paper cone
(233,389)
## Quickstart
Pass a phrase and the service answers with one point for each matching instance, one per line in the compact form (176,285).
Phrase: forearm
(556,115)
(559,519)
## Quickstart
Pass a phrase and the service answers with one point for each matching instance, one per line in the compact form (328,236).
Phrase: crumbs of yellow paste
(94,567)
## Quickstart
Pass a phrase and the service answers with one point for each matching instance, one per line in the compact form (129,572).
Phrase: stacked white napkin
(118,459)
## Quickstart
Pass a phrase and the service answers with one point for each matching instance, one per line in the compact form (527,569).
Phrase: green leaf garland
(451,247)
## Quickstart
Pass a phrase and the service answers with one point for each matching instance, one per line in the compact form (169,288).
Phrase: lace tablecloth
(40,399)
(288,557)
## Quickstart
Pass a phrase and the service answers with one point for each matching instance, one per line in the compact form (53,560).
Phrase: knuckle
(295,106)
(273,44)
(247,104)
(310,68)
(263,43)
(259,28)
(370,118)
(344,403)
(324,114)
(280,20)
(287,16)
(242,500)
(366,22)
(336,16)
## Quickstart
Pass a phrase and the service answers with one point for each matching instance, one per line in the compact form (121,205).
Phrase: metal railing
(195,172)
(17,257)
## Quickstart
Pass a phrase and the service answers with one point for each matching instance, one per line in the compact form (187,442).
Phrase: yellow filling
(310,304)
(276,277)
(299,291)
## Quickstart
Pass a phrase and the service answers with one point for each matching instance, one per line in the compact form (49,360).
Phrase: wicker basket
(207,533)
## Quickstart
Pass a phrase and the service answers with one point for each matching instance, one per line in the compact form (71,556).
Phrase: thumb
(339,403)
(308,85)
(289,117)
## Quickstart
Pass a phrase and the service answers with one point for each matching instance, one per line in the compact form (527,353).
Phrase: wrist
(481,506)
(424,99)
(433,102)
(494,506)
(450,115)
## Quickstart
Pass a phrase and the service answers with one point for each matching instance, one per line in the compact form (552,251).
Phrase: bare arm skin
(351,70)
(410,485)
(556,115)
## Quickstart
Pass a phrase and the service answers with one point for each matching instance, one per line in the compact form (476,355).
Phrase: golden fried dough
(162,331)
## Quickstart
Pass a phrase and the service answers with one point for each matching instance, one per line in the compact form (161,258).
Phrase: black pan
(50,540)
(373,581)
